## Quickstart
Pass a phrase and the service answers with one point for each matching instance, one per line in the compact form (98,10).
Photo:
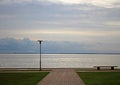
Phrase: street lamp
(40,41)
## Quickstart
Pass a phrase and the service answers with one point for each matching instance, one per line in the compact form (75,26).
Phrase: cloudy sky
(92,23)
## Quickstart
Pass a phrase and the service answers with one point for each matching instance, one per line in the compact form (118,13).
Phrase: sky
(91,25)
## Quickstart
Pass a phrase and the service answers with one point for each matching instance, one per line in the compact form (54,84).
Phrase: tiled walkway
(62,77)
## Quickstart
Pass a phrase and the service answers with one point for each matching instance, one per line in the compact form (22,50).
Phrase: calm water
(58,60)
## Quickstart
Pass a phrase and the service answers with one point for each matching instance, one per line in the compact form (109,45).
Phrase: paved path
(62,77)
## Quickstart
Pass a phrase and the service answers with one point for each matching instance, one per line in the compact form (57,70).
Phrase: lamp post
(40,41)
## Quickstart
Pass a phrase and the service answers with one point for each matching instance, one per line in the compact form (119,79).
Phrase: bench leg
(98,68)
(112,68)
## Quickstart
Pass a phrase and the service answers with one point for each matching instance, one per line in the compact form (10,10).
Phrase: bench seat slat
(98,67)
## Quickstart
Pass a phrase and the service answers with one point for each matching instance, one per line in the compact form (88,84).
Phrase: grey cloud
(98,3)
(11,45)
(15,19)
(68,16)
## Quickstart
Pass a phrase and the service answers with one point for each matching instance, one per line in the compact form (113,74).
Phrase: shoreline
(50,69)
(61,53)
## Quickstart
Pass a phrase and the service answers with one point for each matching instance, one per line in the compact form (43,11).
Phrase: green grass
(100,78)
(28,78)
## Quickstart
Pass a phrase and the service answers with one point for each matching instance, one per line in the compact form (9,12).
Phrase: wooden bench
(99,67)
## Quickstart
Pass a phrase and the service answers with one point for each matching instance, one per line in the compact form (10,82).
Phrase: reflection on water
(58,60)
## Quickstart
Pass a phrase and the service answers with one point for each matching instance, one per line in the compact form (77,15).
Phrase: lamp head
(40,41)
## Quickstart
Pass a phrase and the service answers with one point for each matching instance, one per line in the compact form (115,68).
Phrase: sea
(58,60)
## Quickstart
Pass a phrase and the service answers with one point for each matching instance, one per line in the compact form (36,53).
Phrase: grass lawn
(100,78)
(28,78)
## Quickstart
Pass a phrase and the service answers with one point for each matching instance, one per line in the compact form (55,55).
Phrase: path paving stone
(62,77)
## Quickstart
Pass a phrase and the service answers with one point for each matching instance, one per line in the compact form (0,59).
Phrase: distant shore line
(61,53)
(50,69)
